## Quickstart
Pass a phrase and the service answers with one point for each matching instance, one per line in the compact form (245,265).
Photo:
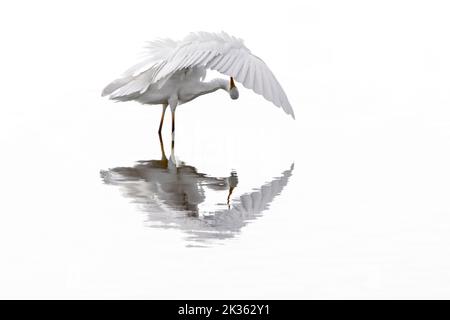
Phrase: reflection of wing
(226,223)
(171,197)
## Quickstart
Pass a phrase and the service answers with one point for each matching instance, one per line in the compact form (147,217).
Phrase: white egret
(173,73)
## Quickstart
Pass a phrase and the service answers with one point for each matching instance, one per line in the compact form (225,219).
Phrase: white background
(366,213)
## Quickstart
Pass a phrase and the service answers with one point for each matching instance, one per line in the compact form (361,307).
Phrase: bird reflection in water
(171,192)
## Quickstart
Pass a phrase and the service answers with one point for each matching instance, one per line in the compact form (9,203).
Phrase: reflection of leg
(229,195)
(232,183)
(173,129)
(162,118)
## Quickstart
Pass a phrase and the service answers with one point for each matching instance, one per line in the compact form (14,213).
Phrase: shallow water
(237,209)
(173,195)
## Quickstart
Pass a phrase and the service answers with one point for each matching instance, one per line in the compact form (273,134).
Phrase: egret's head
(234,92)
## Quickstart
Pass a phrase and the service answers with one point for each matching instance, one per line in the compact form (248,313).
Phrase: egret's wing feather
(140,76)
(254,74)
(155,52)
(138,83)
(227,55)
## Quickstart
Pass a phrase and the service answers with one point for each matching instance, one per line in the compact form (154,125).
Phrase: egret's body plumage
(173,73)
(185,85)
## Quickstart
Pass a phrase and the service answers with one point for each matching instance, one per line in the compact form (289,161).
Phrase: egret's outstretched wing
(139,77)
(228,55)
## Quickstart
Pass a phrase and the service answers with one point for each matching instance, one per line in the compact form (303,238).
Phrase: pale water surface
(92,207)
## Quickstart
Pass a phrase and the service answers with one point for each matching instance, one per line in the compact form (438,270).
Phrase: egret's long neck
(200,88)
(211,86)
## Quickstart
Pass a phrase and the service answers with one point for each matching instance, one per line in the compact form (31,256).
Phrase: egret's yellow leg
(163,153)
(162,118)
(173,129)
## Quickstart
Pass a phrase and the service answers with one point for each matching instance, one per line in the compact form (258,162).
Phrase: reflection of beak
(232,85)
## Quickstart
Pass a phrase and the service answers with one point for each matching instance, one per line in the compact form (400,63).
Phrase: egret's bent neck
(201,88)
(217,84)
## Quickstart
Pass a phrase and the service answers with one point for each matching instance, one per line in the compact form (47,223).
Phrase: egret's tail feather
(116,84)
(123,98)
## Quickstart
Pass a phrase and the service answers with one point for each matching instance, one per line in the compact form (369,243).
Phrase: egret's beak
(234,92)
(232,85)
